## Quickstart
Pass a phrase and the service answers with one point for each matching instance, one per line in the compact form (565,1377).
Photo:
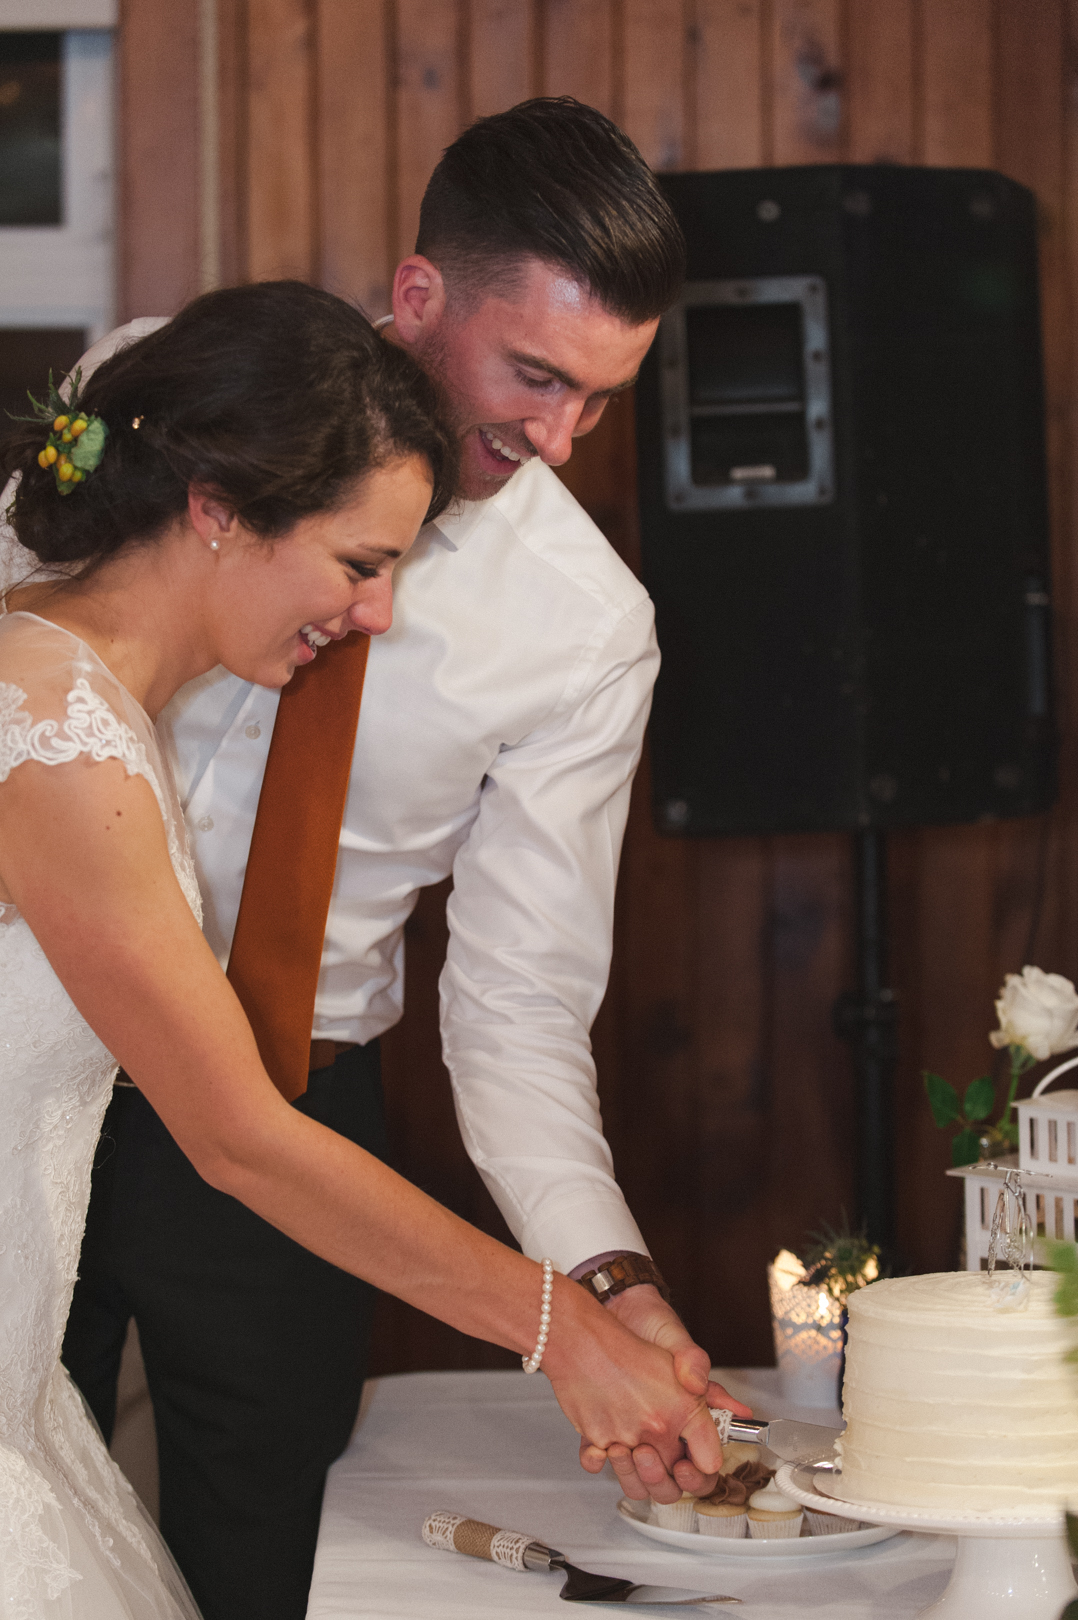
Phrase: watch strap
(624,1271)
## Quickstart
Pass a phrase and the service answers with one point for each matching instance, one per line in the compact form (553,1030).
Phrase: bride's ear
(210,518)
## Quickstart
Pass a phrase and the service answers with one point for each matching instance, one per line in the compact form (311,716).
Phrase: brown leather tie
(281,927)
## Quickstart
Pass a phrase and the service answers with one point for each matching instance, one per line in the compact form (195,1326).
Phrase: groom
(501,725)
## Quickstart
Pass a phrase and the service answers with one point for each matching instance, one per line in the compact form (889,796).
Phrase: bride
(252,469)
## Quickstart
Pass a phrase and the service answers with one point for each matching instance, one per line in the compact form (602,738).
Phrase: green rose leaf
(1066,1297)
(87,450)
(943,1100)
(980,1098)
(1061,1255)
(966,1147)
(1062,1258)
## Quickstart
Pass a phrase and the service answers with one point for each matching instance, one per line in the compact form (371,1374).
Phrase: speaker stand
(867,1019)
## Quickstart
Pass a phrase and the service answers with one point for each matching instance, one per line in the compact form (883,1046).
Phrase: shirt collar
(460,520)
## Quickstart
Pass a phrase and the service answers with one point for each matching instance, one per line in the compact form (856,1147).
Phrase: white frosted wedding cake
(951,1402)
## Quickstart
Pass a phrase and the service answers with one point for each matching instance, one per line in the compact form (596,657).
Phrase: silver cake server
(794,1442)
(513,1550)
(583,1587)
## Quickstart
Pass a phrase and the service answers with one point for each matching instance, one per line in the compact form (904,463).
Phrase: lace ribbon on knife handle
(452,1532)
(722,1419)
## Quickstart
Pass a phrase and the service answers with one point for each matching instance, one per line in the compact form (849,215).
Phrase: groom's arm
(531,923)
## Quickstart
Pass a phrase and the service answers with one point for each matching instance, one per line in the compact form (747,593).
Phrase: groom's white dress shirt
(501,724)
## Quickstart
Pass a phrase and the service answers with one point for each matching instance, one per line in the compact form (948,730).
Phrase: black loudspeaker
(843,504)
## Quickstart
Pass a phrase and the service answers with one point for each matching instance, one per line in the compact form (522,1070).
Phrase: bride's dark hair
(277,397)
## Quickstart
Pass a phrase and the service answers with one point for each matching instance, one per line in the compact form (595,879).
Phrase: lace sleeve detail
(91,728)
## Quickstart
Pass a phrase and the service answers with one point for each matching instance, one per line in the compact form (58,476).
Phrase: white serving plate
(805,1546)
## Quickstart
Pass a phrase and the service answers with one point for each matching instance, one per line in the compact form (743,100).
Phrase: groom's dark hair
(553,180)
(278,398)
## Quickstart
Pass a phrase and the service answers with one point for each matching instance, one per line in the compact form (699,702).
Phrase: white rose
(1038,1011)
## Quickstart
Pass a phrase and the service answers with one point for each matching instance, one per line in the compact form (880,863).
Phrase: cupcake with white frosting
(772,1515)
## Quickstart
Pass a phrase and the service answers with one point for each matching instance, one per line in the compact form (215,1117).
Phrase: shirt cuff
(571,1231)
(596,1261)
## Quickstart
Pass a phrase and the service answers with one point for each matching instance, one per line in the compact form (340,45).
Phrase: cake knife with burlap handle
(452,1532)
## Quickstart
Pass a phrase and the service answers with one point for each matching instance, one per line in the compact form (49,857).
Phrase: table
(495,1445)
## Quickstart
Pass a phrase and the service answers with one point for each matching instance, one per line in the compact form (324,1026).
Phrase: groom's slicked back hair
(553,180)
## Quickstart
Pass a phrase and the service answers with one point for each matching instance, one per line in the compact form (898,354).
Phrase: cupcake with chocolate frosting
(753,1474)
(737,1452)
(723,1513)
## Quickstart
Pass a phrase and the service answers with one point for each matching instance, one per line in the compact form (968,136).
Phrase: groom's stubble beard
(434,354)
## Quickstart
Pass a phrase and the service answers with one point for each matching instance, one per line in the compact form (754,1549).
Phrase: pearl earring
(215,545)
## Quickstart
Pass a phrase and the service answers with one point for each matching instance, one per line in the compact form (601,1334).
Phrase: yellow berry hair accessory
(76,440)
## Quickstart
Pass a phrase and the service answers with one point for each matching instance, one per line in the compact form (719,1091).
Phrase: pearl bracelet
(531,1363)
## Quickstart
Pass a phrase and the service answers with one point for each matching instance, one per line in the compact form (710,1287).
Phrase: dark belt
(324,1055)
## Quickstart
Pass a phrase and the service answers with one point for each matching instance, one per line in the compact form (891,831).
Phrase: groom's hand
(641,1471)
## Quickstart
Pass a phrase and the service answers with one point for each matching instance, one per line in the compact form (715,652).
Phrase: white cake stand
(1009,1566)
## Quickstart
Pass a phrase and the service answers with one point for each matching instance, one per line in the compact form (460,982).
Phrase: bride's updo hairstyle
(276,397)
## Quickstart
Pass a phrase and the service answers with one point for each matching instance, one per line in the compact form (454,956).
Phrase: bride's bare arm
(84,857)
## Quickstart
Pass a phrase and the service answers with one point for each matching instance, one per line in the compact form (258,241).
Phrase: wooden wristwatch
(624,1271)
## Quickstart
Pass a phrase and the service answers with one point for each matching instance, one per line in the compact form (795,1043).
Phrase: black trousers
(255,1350)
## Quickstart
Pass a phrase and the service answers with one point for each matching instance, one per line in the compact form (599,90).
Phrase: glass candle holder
(807,1323)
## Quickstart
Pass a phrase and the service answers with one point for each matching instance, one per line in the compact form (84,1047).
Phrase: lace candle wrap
(953,1403)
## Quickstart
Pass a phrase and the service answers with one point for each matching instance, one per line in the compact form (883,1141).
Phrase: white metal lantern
(1048,1160)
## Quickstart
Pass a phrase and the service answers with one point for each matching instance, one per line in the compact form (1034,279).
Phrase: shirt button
(253,732)
(204,823)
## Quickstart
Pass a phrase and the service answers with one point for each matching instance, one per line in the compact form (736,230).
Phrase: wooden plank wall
(728,1100)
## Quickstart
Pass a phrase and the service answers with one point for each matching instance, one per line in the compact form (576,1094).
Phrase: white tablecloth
(496,1446)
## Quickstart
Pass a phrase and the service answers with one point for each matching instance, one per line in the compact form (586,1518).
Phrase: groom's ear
(211,520)
(418,299)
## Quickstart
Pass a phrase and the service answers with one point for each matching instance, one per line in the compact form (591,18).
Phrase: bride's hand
(622,1395)
(641,1471)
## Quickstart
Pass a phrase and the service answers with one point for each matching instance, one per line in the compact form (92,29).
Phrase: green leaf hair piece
(74,458)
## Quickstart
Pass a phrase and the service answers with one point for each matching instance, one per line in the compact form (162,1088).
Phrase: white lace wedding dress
(75,1543)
